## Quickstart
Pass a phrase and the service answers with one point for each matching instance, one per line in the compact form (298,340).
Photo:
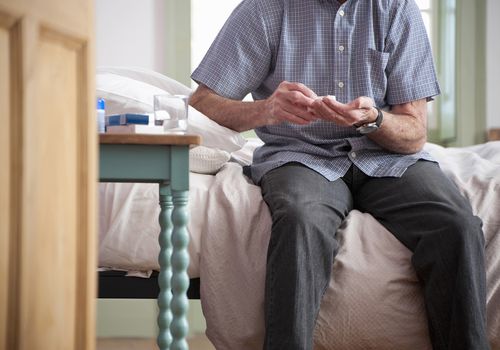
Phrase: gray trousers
(423,209)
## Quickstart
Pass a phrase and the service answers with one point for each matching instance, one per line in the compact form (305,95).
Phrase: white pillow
(127,95)
(204,160)
(148,76)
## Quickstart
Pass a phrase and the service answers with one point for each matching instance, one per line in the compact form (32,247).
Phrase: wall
(152,34)
(492,64)
(136,318)
(203,32)
(131,33)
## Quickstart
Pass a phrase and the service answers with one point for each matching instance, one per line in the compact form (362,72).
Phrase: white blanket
(373,301)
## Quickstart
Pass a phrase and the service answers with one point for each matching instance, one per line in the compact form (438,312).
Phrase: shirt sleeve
(240,57)
(410,70)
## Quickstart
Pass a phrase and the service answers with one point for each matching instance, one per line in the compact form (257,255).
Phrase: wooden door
(47,175)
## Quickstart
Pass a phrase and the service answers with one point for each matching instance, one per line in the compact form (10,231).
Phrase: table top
(148,139)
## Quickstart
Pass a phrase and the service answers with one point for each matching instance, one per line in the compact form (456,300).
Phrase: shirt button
(342,13)
(353,154)
(341,48)
(341,84)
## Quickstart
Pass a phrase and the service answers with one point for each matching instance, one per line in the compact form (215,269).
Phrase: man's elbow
(196,98)
(414,146)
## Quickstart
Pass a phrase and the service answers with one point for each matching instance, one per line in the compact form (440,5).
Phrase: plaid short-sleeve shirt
(375,48)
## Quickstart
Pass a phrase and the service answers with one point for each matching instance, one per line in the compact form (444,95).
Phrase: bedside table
(162,159)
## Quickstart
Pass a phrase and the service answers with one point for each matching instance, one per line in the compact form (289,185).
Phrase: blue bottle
(100,115)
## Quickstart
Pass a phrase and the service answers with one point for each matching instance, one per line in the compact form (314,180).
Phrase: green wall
(178,36)
(471,75)
(136,318)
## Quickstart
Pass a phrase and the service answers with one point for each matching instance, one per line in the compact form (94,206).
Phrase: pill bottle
(100,115)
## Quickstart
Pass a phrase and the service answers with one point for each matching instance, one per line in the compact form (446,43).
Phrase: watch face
(368,128)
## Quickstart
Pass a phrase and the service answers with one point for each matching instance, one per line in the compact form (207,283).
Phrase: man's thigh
(419,203)
(295,187)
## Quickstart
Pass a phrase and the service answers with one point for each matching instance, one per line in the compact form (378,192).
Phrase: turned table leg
(164,298)
(180,279)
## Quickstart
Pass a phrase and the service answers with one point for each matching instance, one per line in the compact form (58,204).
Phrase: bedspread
(374,300)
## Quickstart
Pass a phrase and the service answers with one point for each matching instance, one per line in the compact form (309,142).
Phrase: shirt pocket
(376,76)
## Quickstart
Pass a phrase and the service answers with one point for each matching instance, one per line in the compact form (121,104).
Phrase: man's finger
(335,105)
(303,89)
(323,110)
(300,112)
(298,98)
(286,116)
(363,102)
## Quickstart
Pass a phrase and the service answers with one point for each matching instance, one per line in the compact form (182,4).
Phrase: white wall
(492,64)
(203,32)
(131,33)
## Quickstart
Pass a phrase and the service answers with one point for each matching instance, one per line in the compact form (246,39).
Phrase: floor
(198,342)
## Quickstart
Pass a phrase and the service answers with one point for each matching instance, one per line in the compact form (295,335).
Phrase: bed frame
(116,285)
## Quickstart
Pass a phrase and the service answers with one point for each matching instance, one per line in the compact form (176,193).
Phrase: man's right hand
(291,103)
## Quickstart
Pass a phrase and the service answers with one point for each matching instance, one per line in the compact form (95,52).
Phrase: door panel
(4,177)
(48,151)
(53,208)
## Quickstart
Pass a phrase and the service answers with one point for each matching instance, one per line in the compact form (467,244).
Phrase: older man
(323,156)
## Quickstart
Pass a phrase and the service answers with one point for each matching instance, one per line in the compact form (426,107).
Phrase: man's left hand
(355,113)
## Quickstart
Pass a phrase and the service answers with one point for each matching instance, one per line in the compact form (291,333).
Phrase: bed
(373,300)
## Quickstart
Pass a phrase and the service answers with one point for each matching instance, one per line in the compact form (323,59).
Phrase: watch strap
(380,116)
(372,126)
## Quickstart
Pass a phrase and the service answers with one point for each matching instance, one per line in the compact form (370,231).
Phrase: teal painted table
(162,159)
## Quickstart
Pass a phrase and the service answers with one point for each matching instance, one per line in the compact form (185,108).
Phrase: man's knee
(305,220)
(461,231)
(457,242)
(469,228)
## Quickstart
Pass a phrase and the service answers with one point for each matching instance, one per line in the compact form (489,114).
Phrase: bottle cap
(100,103)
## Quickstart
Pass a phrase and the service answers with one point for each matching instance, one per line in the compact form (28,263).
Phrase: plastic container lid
(100,104)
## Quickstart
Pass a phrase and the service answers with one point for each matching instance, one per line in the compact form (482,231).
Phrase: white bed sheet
(373,301)
(128,225)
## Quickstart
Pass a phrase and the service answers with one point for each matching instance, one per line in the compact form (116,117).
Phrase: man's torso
(342,50)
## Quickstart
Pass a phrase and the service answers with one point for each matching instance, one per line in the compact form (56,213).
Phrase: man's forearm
(404,128)
(236,115)
(400,133)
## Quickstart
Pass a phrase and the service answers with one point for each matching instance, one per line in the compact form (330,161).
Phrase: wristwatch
(373,126)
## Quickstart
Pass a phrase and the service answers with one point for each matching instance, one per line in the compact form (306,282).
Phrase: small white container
(171,111)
